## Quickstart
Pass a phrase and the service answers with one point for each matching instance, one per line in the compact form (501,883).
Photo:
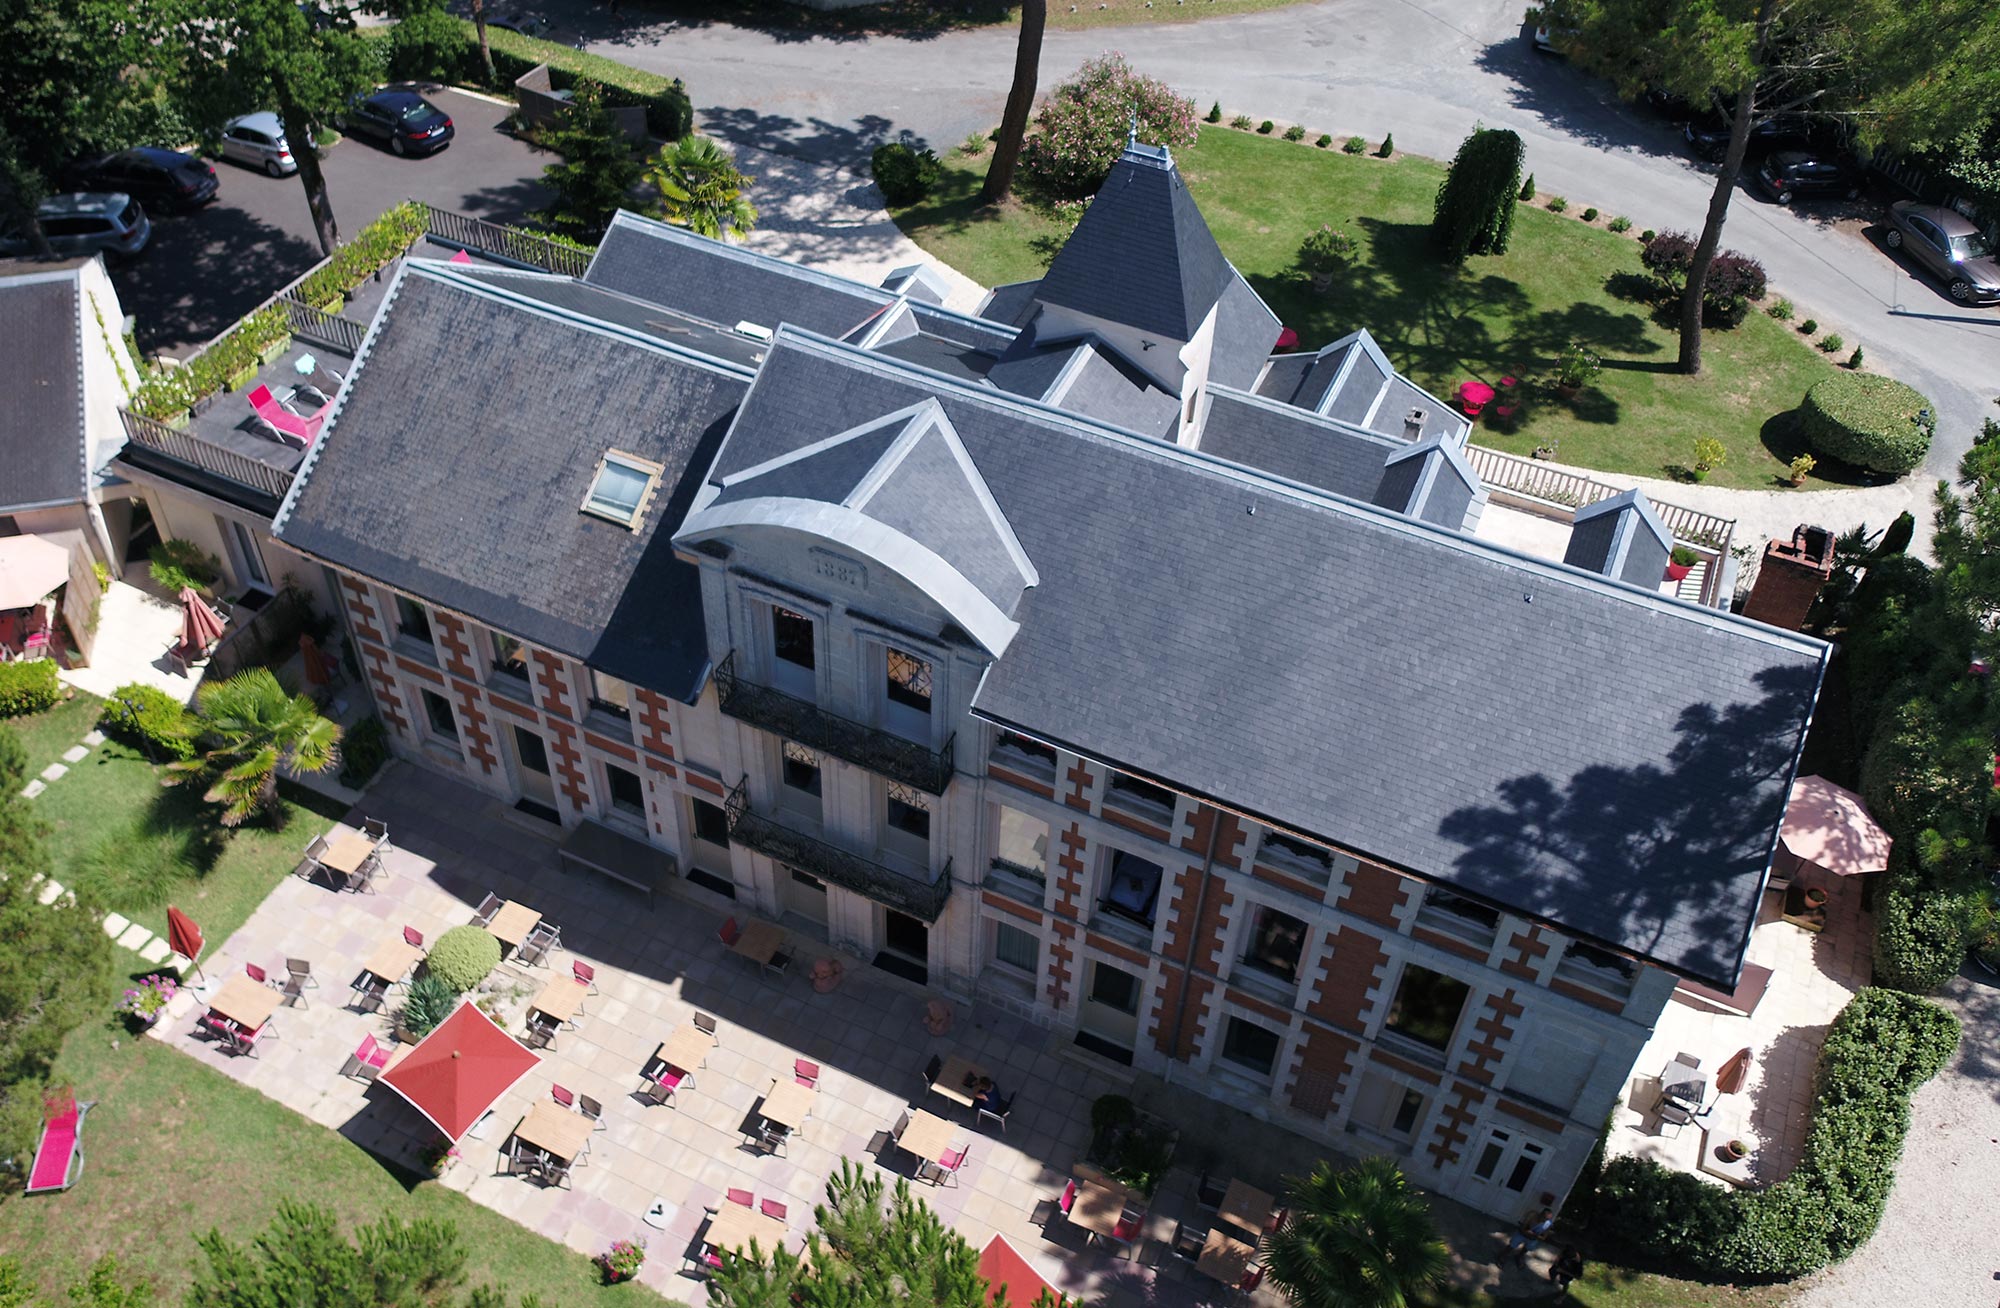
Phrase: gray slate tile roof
(1606,759)
(43,444)
(580,297)
(1100,384)
(1295,444)
(1245,333)
(1012,304)
(464,444)
(1621,537)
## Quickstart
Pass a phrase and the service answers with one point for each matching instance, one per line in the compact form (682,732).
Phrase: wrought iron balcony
(814,727)
(842,867)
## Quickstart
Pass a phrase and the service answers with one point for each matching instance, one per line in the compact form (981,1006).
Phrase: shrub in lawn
(1780,308)
(1647,235)
(428,1003)
(133,867)
(1667,256)
(1324,141)
(1264,128)
(1325,252)
(1528,188)
(1388,146)
(1214,113)
(1295,133)
(1557,204)
(150,720)
(904,174)
(1619,224)
(27,687)
(1732,275)
(1870,421)
(1590,215)
(1241,122)
(462,957)
(1809,326)
(1354,145)
(1831,343)
(1085,122)
(973,145)
(1854,359)
(1474,213)
(179,565)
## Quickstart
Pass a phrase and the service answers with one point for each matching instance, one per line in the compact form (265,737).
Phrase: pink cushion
(671,1077)
(740,1197)
(260,399)
(712,1258)
(1068,1199)
(772,1208)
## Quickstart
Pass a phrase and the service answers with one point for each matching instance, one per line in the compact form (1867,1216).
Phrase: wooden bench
(598,848)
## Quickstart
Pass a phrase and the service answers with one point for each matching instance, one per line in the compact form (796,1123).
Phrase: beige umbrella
(30,567)
(1828,826)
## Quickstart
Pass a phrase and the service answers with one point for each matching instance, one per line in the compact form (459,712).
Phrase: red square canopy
(1003,1268)
(457,1071)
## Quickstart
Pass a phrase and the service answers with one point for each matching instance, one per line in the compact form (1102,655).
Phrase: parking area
(205,270)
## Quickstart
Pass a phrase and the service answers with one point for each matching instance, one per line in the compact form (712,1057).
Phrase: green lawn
(1493,317)
(47,735)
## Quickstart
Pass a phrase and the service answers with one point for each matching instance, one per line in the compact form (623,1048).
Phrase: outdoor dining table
(928,1137)
(687,1048)
(347,855)
(247,1003)
(955,1080)
(760,941)
(1684,1084)
(393,959)
(560,999)
(555,1130)
(512,923)
(1245,1206)
(1100,1205)
(734,1226)
(788,1105)
(1225,1258)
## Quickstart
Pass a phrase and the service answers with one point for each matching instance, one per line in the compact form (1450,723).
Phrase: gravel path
(1937,1246)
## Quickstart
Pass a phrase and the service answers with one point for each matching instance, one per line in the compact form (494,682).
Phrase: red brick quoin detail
(472,724)
(1529,946)
(1494,1027)
(1061,959)
(1078,795)
(1455,1123)
(1326,1060)
(457,653)
(1375,893)
(1069,872)
(1341,999)
(569,763)
(553,685)
(655,726)
(1194,1022)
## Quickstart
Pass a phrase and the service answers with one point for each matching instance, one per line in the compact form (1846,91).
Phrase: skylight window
(623,486)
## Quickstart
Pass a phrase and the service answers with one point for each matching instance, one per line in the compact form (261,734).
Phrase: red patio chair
(806,1074)
(368,1060)
(1251,1280)
(772,1208)
(563,1096)
(743,1197)
(729,934)
(413,937)
(257,974)
(585,974)
(284,425)
(1125,1229)
(711,1260)
(1068,1200)
(59,1153)
(947,1166)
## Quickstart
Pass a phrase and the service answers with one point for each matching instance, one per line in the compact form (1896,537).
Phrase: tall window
(509,657)
(438,711)
(1015,947)
(800,773)
(1131,887)
(628,793)
(792,638)
(1022,842)
(1249,1046)
(1408,1109)
(1427,1006)
(909,812)
(1275,942)
(1114,988)
(909,681)
(710,823)
(412,620)
(610,695)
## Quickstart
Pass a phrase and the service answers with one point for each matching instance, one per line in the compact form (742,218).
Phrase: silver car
(1948,245)
(87,222)
(258,141)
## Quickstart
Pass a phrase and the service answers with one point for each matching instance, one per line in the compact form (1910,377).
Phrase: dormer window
(622,488)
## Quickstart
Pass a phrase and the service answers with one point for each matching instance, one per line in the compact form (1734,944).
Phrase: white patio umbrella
(30,567)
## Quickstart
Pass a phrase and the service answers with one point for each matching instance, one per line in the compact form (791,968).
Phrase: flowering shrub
(148,999)
(440,1157)
(623,1260)
(1085,122)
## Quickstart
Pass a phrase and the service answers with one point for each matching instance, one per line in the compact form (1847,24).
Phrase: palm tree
(255,729)
(1356,1239)
(1020,101)
(700,188)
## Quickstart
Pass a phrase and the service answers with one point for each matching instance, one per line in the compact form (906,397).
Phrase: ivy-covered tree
(1474,213)
(598,170)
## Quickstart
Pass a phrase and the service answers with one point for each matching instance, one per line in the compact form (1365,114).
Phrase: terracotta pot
(1815,897)
(1676,571)
(1735,1151)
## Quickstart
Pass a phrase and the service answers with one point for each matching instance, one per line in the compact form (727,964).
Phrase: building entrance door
(531,771)
(906,947)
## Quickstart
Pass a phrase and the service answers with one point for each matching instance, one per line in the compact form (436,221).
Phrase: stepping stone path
(122,930)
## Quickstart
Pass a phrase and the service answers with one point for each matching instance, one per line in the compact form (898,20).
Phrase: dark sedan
(1708,136)
(159,179)
(1950,246)
(1790,175)
(403,120)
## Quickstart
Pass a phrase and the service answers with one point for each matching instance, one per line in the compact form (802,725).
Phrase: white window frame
(647,468)
(1007,965)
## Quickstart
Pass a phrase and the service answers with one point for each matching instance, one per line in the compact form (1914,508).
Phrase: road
(1426,72)
(205,270)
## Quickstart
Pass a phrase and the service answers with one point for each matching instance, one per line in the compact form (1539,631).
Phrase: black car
(1792,175)
(158,179)
(1708,136)
(405,120)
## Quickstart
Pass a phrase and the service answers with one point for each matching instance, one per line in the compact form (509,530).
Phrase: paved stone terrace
(654,970)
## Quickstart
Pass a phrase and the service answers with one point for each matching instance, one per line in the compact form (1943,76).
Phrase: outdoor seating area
(770,1082)
(347,858)
(32,570)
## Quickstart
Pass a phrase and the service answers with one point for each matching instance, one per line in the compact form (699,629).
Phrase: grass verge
(46,735)
(1509,315)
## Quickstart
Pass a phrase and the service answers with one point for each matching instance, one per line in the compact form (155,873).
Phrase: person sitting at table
(987,1096)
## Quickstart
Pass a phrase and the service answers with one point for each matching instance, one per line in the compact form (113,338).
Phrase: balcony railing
(199,452)
(495,240)
(842,867)
(812,726)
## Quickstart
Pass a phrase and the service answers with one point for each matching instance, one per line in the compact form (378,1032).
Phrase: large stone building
(1083,656)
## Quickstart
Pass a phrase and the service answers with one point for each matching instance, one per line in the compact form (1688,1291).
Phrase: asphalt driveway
(205,270)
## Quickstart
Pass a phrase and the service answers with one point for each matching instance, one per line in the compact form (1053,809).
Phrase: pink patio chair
(806,1074)
(286,427)
(1068,1200)
(256,973)
(59,1153)
(742,1197)
(729,934)
(711,1260)
(413,937)
(563,1095)
(585,974)
(772,1208)
(1125,1229)
(368,1059)
(665,1082)
(1251,1280)
(947,1166)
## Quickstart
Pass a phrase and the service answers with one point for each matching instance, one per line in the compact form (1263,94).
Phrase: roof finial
(1132,133)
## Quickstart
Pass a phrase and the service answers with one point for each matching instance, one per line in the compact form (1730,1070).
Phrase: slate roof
(1245,332)
(1354,381)
(1621,537)
(1367,709)
(462,448)
(579,297)
(1142,255)
(1012,304)
(1291,443)
(42,425)
(1100,384)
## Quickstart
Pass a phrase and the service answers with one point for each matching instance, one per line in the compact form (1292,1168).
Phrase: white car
(87,222)
(258,141)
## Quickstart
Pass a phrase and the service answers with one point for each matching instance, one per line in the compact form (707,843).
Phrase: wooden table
(392,959)
(687,1048)
(760,941)
(555,1130)
(952,1077)
(560,998)
(1099,1206)
(346,853)
(789,1104)
(1225,1258)
(512,923)
(927,1137)
(1248,1207)
(246,1002)
(734,1226)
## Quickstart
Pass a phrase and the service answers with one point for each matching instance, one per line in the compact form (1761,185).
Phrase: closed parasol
(183,936)
(313,662)
(200,627)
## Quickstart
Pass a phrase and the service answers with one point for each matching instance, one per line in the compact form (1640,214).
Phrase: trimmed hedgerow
(1870,421)
(27,687)
(151,719)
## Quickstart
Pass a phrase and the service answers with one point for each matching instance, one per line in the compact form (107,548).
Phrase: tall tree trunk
(299,127)
(1020,101)
(1718,200)
(485,51)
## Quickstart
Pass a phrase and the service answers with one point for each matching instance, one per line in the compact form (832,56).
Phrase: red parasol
(457,1071)
(183,936)
(200,627)
(1734,1072)
(312,659)
(1288,339)
(1002,1267)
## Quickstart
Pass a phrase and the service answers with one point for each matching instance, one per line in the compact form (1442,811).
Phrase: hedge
(1870,421)
(905,175)
(150,719)
(27,687)
(462,957)
(1880,1049)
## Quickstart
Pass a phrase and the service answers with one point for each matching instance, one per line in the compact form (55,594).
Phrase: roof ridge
(658,230)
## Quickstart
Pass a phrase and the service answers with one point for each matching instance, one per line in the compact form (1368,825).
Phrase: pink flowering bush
(144,1002)
(1085,121)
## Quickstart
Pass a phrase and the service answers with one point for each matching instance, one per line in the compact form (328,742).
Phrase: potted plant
(439,1158)
(1324,253)
(1575,367)
(143,1003)
(1800,467)
(1735,1151)
(1815,897)
(1681,562)
(1709,454)
(165,397)
(622,1261)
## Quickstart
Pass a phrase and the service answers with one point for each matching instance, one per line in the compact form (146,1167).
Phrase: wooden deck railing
(199,452)
(323,328)
(502,242)
(1552,485)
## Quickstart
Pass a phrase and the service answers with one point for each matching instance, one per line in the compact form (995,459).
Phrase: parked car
(1949,246)
(166,179)
(1708,136)
(407,122)
(258,141)
(91,222)
(525,23)
(1790,175)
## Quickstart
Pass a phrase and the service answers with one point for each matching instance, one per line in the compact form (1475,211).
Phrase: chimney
(1790,578)
(1413,424)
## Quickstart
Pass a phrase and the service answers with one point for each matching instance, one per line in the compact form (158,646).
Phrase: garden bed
(1508,315)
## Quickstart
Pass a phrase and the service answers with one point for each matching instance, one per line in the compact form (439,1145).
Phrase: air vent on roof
(1413,424)
(753,331)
